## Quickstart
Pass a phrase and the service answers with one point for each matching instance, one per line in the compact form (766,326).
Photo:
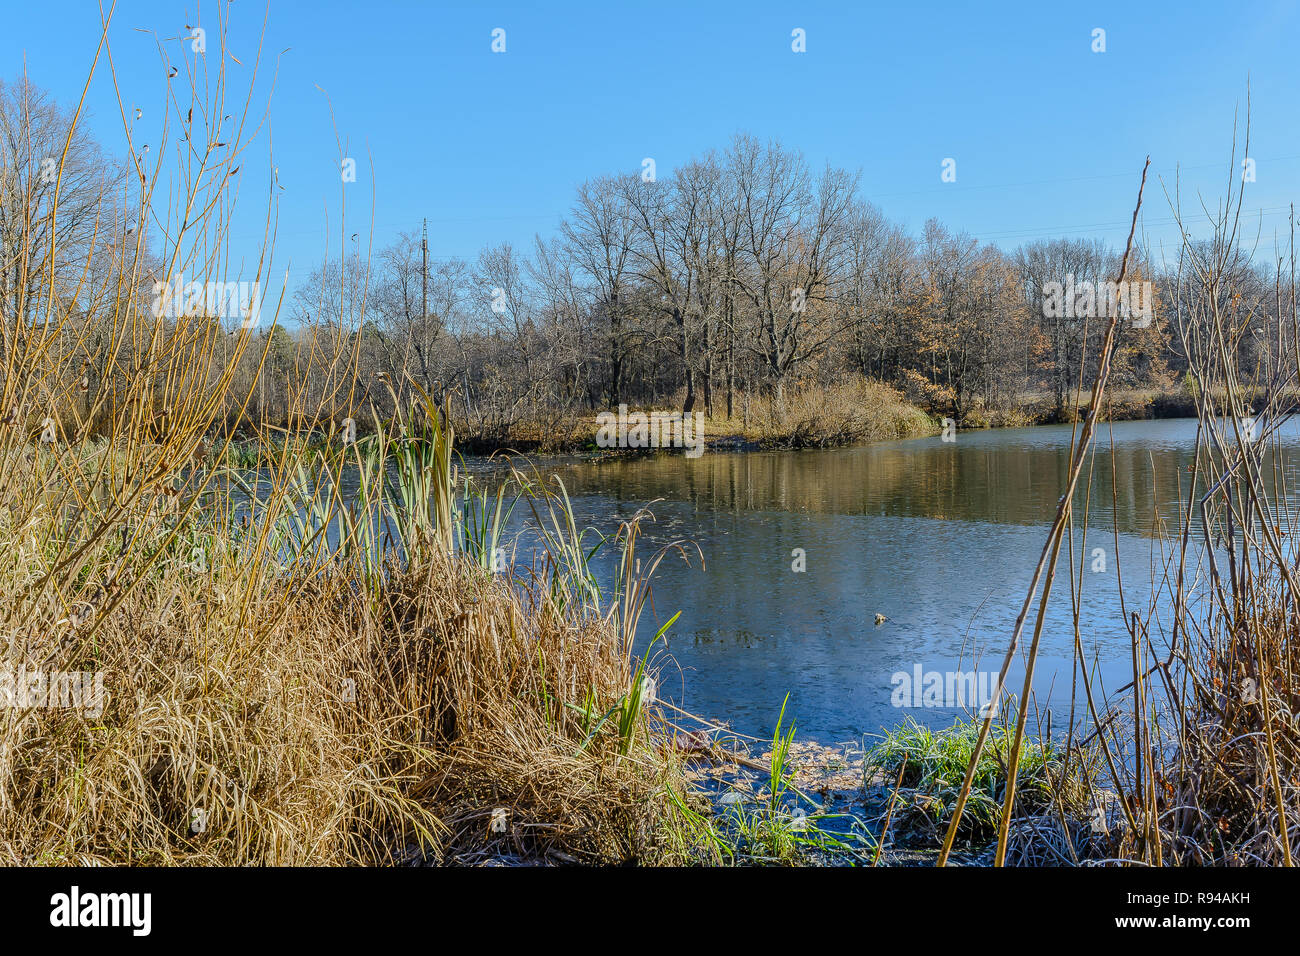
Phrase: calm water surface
(940,537)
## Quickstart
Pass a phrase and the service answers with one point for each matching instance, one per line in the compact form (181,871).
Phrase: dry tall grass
(1201,748)
(292,673)
(1214,761)
(845,413)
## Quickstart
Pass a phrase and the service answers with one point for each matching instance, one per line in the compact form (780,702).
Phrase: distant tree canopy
(744,271)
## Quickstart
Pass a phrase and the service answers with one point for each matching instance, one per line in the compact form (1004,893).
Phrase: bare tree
(599,235)
(793,248)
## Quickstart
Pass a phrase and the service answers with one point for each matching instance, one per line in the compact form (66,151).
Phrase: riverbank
(887,801)
(842,415)
(850,413)
(838,416)
(1120,405)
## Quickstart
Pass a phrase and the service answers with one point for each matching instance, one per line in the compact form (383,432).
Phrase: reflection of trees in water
(986,481)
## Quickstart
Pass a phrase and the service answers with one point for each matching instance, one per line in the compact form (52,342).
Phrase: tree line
(745,271)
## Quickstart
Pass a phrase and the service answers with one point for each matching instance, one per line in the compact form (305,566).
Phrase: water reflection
(939,537)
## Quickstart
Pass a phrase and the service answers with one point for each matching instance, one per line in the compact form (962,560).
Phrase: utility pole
(424,281)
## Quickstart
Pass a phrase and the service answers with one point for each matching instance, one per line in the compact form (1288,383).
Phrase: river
(940,537)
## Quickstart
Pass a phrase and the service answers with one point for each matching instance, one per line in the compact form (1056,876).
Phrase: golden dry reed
(308,666)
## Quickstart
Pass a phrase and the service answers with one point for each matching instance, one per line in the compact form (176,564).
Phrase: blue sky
(1048,136)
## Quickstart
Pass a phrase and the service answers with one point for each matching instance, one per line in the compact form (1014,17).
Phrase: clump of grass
(933,764)
(852,411)
(844,413)
(267,450)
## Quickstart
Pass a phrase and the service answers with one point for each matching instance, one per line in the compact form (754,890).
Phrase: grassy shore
(850,413)
(1121,405)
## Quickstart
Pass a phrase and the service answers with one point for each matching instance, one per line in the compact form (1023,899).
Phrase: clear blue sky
(1048,136)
